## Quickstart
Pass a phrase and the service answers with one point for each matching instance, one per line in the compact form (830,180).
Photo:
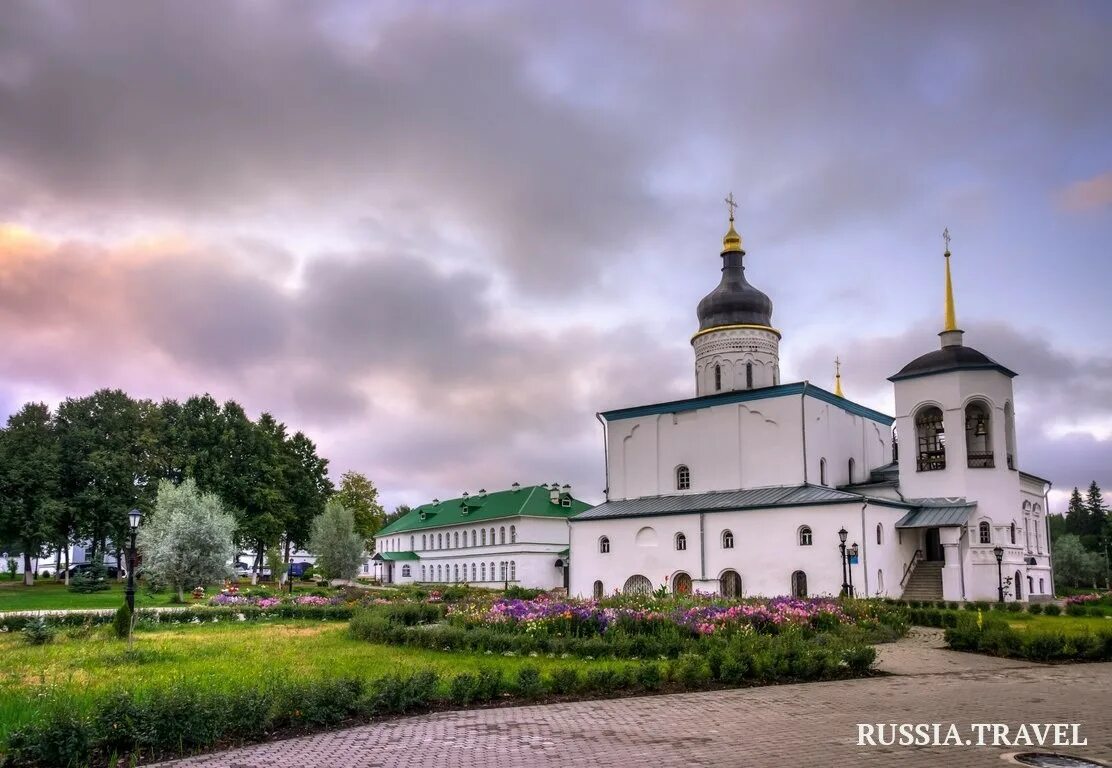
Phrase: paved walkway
(812,724)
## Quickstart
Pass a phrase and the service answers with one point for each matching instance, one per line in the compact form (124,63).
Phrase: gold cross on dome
(731,205)
(946,237)
(837,366)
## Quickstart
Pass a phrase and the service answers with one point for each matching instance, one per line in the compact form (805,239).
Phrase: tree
(1073,566)
(1077,515)
(359,495)
(102,444)
(188,540)
(336,544)
(306,488)
(29,491)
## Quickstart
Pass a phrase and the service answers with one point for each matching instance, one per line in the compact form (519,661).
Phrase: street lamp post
(842,535)
(999,552)
(133,518)
(850,556)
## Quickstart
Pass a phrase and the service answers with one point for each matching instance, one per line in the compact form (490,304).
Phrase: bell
(981,429)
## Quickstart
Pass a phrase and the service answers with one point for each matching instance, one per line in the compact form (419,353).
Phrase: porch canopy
(394,556)
(937,515)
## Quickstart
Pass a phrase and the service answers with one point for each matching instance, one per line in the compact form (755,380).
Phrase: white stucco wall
(539,540)
(765,554)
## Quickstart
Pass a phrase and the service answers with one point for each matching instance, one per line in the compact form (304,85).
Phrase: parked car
(297,570)
(110,571)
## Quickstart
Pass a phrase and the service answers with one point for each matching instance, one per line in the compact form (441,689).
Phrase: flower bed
(697,616)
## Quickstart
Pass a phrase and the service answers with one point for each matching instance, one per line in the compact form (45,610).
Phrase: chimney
(516,487)
(566,490)
(482,492)
(436,502)
(554,493)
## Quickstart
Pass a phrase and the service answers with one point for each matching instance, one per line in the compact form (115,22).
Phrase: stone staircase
(925,581)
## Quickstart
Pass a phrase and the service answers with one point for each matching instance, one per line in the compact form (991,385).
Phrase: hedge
(995,637)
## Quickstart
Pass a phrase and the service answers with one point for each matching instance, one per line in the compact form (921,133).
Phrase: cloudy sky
(438,237)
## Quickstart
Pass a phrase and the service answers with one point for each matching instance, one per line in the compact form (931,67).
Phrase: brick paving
(790,725)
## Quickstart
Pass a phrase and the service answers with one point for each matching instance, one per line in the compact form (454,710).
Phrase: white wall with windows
(742,445)
(762,547)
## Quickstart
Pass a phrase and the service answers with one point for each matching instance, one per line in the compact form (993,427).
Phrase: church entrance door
(933,550)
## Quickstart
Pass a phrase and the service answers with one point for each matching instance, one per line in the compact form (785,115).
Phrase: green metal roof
(713,501)
(744,395)
(939,516)
(393,556)
(527,501)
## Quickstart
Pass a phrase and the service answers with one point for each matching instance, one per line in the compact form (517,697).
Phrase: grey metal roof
(753,498)
(936,515)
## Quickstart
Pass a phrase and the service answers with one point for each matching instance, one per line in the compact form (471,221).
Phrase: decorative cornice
(705,331)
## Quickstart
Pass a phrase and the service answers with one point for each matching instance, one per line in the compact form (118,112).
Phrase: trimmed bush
(566,680)
(1052,609)
(1035,608)
(529,683)
(1015,607)
(464,689)
(121,622)
(648,676)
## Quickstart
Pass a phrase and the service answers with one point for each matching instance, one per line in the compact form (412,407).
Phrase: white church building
(753,486)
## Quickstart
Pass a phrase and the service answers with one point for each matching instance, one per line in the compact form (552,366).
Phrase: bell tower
(955,418)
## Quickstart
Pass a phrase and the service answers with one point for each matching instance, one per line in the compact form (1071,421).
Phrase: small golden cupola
(838,377)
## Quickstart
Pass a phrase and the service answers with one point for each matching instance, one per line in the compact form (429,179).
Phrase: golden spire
(838,378)
(732,240)
(951,316)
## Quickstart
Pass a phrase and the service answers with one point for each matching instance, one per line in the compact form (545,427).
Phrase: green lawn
(1024,621)
(222,655)
(49,595)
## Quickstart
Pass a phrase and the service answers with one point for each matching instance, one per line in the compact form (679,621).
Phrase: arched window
(473,572)
(637,585)
(879,533)
(405,571)
(822,471)
(604,545)
(880,582)
(492,571)
(985,532)
(455,572)
(424,544)
(424,576)
(851,472)
(681,542)
(455,538)
(1018,586)
(596,590)
(1042,587)
(1009,433)
(717,377)
(492,537)
(483,571)
(412,542)
(729,584)
(978,436)
(513,570)
(438,573)
(502,571)
(748,375)
(681,584)
(439,541)
(474,538)
(683,478)
(931,438)
(1011,532)
(484,537)
(799,584)
(805,536)
(1030,585)
(502,535)
(513,534)
(727,540)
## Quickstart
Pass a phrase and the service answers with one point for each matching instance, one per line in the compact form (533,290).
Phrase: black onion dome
(734,301)
(951,358)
